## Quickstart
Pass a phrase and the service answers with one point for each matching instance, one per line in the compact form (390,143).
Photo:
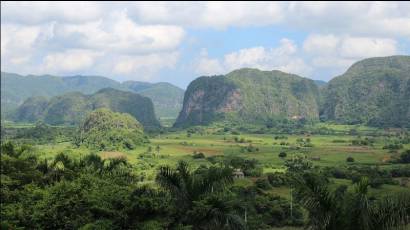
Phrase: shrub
(262,183)
(277,179)
(350,159)
(393,146)
(198,155)
(282,154)
(405,157)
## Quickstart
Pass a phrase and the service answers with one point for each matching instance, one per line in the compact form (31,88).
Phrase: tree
(350,159)
(157,149)
(405,157)
(282,154)
(190,189)
(339,209)
(298,164)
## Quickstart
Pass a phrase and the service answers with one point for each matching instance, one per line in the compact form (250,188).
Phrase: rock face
(374,91)
(249,95)
(206,98)
(71,108)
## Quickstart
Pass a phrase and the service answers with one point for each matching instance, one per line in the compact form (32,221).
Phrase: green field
(324,150)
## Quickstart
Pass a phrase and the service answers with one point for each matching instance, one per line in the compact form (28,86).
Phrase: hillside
(103,129)
(167,98)
(320,83)
(374,91)
(249,95)
(71,108)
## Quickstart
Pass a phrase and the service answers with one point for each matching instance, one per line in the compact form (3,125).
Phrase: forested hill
(15,89)
(374,91)
(71,108)
(249,95)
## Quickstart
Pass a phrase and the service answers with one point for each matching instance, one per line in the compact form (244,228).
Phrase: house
(238,174)
(297,117)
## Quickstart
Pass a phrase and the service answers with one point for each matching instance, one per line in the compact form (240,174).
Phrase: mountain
(249,95)
(166,97)
(320,83)
(103,129)
(374,91)
(71,108)
(15,89)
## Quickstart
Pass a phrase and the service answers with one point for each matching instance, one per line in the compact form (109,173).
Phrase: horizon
(81,75)
(145,42)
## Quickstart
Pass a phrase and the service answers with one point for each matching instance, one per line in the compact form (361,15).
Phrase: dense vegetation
(96,193)
(167,98)
(103,129)
(249,95)
(71,108)
(374,91)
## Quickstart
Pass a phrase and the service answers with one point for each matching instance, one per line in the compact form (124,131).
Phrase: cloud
(322,44)
(209,14)
(20,43)
(281,58)
(69,61)
(329,50)
(62,46)
(358,18)
(360,47)
(118,33)
(43,12)
(361,18)
(145,66)
(208,66)
(139,38)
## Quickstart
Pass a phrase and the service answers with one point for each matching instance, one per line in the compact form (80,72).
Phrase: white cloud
(145,66)
(62,47)
(43,12)
(69,61)
(17,42)
(359,18)
(134,38)
(360,47)
(208,66)
(323,44)
(118,33)
(209,14)
(331,51)
(281,58)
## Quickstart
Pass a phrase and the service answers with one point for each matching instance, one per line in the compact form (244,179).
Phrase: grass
(175,146)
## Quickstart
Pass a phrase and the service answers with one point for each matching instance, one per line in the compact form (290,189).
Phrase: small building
(297,117)
(238,174)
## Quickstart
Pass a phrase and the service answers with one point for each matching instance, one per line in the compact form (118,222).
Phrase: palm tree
(329,209)
(190,187)
(215,211)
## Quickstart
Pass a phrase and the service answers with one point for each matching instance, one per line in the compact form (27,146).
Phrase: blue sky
(177,42)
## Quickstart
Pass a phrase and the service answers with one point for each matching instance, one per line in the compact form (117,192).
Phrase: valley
(255,145)
(325,145)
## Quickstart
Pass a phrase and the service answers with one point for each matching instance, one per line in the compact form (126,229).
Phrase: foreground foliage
(96,193)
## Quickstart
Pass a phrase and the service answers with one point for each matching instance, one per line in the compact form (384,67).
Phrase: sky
(177,42)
